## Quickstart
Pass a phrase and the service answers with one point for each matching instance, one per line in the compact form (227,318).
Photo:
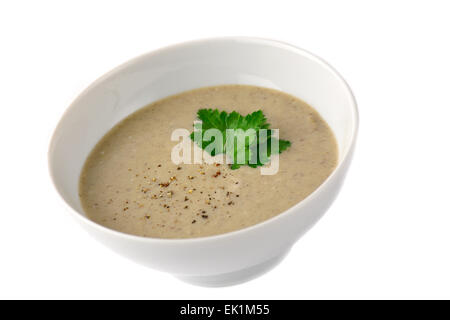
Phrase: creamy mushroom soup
(130,184)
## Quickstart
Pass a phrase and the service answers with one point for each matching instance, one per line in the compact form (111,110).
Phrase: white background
(386,236)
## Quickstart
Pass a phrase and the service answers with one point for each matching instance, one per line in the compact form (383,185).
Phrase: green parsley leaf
(242,136)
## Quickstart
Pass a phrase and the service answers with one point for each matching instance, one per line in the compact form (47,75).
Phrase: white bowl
(232,257)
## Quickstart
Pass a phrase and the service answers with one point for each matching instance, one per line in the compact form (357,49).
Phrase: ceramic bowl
(232,257)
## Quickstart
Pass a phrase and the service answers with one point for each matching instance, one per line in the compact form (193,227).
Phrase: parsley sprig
(246,129)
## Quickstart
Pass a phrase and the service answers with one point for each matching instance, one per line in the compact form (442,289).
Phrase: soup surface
(130,184)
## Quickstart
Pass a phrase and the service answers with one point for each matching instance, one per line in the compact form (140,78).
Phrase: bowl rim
(223,236)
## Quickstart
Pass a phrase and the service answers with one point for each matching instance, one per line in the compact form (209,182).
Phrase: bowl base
(236,277)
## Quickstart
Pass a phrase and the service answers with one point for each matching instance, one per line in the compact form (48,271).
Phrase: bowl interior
(188,66)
